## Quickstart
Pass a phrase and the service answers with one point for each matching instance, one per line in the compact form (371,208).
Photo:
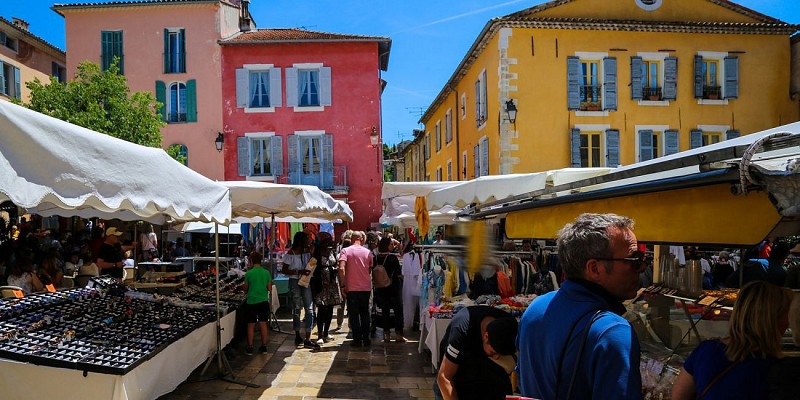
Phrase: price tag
(18,294)
(707,301)
(50,288)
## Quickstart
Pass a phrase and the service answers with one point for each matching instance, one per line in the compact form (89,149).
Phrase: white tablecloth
(151,379)
(431,335)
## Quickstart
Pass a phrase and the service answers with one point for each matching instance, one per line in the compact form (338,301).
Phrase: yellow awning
(706,214)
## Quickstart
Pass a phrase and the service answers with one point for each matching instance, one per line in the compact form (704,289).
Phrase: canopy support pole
(273,319)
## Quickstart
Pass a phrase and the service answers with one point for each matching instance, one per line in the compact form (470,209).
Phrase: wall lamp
(511,110)
(219,141)
(374,138)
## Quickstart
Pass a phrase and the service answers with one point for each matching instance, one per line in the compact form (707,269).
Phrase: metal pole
(216,289)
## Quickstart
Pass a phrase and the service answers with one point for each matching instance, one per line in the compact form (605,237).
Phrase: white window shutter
(242,88)
(291,87)
(275,92)
(325,95)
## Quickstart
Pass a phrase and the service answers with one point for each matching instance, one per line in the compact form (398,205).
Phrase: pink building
(304,107)
(169,48)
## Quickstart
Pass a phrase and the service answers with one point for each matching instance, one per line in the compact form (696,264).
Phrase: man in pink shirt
(355,265)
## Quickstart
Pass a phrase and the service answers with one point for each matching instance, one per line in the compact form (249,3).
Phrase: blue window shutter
(243,152)
(699,78)
(3,78)
(695,138)
(276,158)
(293,159)
(17,92)
(191,100)
(610,83)
(731,134)
(182,65)
(243,88)
(477,161)
(573,83)
(645,144)
(167,53)
(161,97)
(612,147)
(485,158)
(636,78)
(291,87)
(670,91)
(325,94)
(575,145)
(671,143)
(275,92)
(327,161)
(731,77)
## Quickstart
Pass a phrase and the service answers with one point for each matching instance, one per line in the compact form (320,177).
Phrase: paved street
(337,371)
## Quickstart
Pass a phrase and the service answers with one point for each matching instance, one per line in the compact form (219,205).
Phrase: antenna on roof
(304,27)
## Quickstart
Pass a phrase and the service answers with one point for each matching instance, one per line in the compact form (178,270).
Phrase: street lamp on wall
(374,138)
(511,111)
(219,141)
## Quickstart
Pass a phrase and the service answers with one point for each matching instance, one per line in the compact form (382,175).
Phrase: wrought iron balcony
(651,93)
(712,92)
(334,180)
(591,97)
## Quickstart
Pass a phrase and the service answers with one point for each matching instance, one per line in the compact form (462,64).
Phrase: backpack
(380,278)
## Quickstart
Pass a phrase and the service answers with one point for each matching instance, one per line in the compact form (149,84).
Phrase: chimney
(21,23)
(246,22)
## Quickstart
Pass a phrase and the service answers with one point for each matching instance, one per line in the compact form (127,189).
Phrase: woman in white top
(412,268)
(23,277)
(294,266)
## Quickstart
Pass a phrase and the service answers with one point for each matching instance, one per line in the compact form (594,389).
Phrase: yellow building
(599,83)
(25,57)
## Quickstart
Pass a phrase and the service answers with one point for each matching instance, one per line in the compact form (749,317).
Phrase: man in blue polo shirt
(573,343)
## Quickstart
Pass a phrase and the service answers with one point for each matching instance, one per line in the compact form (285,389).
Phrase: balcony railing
(591,96)
(712,92)
(651,93)
(331,180)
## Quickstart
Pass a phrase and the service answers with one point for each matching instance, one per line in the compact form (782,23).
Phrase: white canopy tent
(398,202)
(51,167)
(261,199)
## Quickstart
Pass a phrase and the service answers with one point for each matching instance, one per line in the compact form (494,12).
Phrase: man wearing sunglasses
(573,343)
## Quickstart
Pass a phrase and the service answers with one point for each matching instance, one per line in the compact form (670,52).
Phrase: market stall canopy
(236,225)
(498,187)
(736,192)
(261,199)
(444,216)
(52,167)
(413,189)
(399,199)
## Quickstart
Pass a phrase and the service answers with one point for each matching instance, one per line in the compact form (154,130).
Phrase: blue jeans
(302,298)
(358,313)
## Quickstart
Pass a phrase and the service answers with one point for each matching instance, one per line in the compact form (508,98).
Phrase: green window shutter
(699,77)
(118,51)
(575,146)
(243,153)
(325,95)
(182,64)
(731,77)
(275,91)
(612,147)
(167,53)
(292,142)
(191,100)
(671,143)
(161,97)
(243,88)
(731,134)
(291,87)
(636,78)
(276,145)
(573,83)
(695,138)
(610,83)
(105,49)
(670,90)
(645,144)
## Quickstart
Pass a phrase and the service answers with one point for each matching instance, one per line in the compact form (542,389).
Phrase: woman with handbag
(325,286)
(294,266)
(735,367)
(388,292)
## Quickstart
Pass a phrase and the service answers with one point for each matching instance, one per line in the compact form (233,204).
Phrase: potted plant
(592,106)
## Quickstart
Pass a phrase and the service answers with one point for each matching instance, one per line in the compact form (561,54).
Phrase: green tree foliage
(100,101)
(174,151)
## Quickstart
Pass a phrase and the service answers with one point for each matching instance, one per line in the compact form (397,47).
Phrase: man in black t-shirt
(475,340)
(109,257)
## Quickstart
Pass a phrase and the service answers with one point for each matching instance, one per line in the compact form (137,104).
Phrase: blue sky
(429,37)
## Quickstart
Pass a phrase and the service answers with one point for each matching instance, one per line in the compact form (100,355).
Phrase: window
(9,80)
(258,87)
(716,76)
(428,146)
(178,101)
(438,133)
(448,126)
(449,170)
(8,42)
(464,164)
(594,146)
(59,72)
(655,141)
(711,138)
(654,77)
(710,134)
(651,87)
(591,82)
(310,156)
(111,47)
(308,87)
(438,174)
(463,105)
(481,158)
(481,112)
(174,51)
(183,154)
(260,155)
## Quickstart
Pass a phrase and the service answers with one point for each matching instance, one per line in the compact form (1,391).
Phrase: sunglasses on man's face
(637,260)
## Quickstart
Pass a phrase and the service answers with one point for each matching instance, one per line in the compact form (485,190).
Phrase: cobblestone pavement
(336,371)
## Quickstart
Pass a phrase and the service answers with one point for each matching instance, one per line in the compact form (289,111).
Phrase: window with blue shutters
(260,156)
(671,141)
(654,77)
(308,86)
(258,88)
(594,148)
(310,160)
(591,82)
(111,48)
(10,80)
(448,126)
(438,133)
(716,76)
(481,106)
(174,51)
(484,144)
(476,161)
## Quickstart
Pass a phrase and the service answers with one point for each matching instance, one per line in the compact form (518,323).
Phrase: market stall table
(431,335)
(151,379)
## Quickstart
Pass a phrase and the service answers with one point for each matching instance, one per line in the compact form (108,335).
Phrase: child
(257,284)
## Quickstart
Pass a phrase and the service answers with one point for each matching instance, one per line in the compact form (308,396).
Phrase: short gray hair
(586,238)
